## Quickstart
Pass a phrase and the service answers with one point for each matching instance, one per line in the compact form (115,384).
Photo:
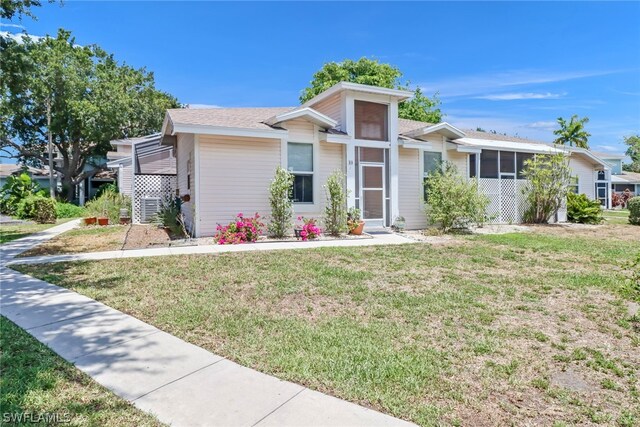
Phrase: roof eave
(400,94)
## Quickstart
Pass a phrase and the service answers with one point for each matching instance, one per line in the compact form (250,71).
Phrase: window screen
(371,120)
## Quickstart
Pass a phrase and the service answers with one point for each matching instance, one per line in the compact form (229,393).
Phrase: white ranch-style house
(226,158)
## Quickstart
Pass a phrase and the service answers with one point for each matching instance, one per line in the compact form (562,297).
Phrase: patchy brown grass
(514,329)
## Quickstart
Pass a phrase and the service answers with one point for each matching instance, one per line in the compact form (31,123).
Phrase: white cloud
(609,148)
(19,37)
(483,83)
(520,95)
(12,26)
(544,125)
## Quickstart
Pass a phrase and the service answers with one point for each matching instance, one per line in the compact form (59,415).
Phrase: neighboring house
(621,180)
(87,188)
(226,158)
(146,171)
(38,175)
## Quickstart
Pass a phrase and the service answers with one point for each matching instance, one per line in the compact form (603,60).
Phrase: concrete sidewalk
(180,383)
(378,239)
(10,249)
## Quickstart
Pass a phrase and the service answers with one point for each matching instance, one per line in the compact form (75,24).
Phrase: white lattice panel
(506,201)
(150,187)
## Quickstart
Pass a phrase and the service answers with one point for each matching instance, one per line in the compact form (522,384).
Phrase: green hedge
(38,208)
(69,210)
(634,210)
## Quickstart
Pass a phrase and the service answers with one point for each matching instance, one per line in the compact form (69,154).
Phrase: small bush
(170,216)
(109,205)
(241,230)
(16,189)
(453,201)
(38,208)
(634,210)
(280,191)
(69,210)
(582,210)
(335,212)
(548,176)
(309,229)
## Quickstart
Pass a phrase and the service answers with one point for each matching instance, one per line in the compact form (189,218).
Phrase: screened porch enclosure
(154,179)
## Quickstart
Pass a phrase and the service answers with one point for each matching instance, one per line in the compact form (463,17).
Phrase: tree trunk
(68,188)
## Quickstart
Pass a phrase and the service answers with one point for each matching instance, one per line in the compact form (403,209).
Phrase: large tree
(89,97)
(572,133)
(633,151)
(17,8)
(374,73)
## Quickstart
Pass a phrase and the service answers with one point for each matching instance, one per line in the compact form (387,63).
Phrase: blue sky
(512,67)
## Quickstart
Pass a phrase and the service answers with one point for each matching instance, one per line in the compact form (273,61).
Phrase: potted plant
(354,222)
(103,220)
(399,224)
(90,220)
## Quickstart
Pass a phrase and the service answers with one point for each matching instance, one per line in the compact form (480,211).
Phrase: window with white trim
(300,164)
(573,185)
(432,161)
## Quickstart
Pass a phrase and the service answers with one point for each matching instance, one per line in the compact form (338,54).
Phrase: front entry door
(373,192)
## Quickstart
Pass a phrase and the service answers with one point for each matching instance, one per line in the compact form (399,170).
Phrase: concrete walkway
(378,239)
(182,384)
(15,247)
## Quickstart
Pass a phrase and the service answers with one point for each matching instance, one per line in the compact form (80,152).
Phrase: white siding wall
(234,177)
(184,153)
(459,160)
(125,175)
(331,107)
(586,175)
(410,183)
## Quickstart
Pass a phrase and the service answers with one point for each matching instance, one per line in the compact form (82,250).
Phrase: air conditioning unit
(149,207)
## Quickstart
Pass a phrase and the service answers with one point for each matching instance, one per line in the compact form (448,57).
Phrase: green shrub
(69,210)
(280,191)
(454,201)
(548,176)
(109,205)
(38,208)
(16,189)
(335,212)
(170,216)
(634,210)
(582,210)
(106,187)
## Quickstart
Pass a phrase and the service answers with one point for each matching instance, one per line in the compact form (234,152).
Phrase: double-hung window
(574,185)
(300,164)
(431,162)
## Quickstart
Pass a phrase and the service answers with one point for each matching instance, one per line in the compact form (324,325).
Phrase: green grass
(450,334)
(36,381)
(13,232)
(616,216)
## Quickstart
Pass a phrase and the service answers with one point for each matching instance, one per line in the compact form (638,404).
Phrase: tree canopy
(572,133)
(18,8)
(372,72)
(93,99)
(633,151)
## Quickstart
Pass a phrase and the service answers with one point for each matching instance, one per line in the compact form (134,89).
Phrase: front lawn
(531,328)
(34,380)
(17,231)
(83,239)
(616,216)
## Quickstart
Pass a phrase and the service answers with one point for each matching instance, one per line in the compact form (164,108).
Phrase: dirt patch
(426,236)
(84,239)
(146,236)
(623,232)
(570,380)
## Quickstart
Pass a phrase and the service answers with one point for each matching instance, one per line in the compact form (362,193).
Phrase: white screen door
(372,191)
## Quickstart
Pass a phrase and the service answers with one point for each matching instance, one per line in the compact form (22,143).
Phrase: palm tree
(572,133)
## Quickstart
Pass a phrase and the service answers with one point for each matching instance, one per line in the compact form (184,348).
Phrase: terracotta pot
(125,221)
(358,230)
(90,220)
(103,221)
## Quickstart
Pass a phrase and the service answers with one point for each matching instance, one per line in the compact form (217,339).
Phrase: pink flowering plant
(241,230)
(310,229)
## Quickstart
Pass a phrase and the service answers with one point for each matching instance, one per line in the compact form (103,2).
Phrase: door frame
(362,165)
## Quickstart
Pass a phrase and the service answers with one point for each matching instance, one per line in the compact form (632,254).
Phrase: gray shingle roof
(244,118)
